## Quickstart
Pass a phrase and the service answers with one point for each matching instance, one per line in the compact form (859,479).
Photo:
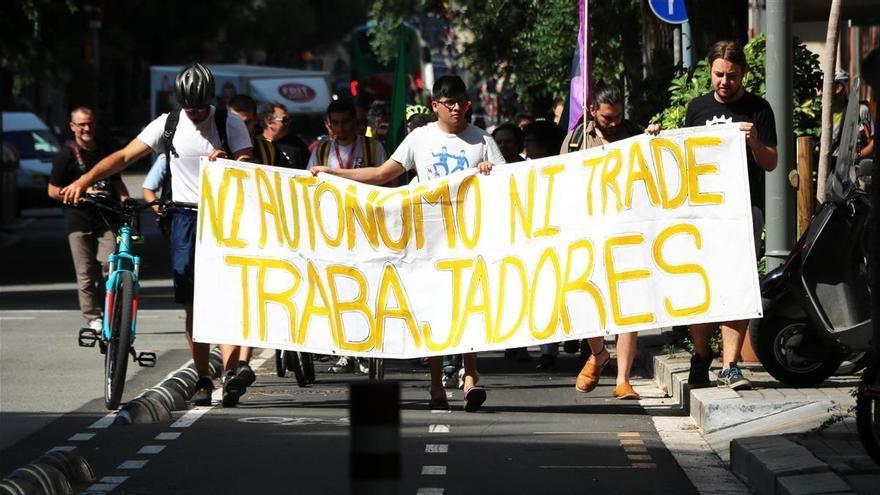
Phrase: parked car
(36,146)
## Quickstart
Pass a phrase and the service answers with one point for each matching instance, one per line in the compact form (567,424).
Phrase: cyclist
(91,239)
(196,136)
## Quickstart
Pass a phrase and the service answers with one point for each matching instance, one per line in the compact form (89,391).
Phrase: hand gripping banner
(642,233)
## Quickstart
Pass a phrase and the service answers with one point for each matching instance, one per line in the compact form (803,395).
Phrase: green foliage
(807,80)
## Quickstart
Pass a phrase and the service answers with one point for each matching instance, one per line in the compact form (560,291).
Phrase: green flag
(398,96)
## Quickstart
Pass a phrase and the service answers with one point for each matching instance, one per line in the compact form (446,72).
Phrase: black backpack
(220,115)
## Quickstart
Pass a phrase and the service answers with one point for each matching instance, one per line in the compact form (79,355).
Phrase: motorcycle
(817,305)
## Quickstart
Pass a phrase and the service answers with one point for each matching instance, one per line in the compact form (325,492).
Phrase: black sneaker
(733,378)
(204,389)
(246,374)
(546,361)
(233,389)
(699,374)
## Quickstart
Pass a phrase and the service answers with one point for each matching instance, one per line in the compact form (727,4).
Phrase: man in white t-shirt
(436,150)
(196,136)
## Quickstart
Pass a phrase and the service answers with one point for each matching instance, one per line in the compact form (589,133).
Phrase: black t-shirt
(66,169)
(706,110)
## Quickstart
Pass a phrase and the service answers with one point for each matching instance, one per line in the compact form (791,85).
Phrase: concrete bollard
(180,387)
(18,487)
(142,410)
(74,466)
(374,463)
(49,479)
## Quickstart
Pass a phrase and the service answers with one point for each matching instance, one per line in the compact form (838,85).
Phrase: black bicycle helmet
(194,87)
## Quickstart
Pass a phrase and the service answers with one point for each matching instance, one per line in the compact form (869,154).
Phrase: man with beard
(727,103)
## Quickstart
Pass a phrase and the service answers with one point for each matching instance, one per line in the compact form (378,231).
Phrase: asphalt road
(535,434)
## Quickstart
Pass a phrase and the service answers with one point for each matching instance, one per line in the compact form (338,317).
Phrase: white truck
(301,91)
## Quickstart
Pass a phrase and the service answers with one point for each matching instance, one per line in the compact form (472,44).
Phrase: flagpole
(585,70)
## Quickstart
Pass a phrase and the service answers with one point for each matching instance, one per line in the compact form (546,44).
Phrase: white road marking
(434,470)
(103,422)
(113,479)
(136,464)
(98,488)
(192,415)
(151,449)
(168,435)
(62,448)
(436,448)
(430,491)
(81,437)
(438,428)
(441,411)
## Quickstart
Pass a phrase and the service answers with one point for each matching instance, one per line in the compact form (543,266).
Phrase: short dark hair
(548,135)
(513,129)
(448,86)
(243,103)
(609,95)
(729,50)
(342,105)
(269,109)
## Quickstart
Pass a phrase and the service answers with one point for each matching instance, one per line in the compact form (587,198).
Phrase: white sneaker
(363,365)
(97,324)
(344,365)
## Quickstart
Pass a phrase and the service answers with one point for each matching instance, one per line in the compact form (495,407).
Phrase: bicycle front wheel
(119,345)
(292,363)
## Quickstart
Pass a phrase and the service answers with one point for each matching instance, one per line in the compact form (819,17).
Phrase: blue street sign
(671,11)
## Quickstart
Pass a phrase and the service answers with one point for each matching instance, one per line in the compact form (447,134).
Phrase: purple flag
(581,68)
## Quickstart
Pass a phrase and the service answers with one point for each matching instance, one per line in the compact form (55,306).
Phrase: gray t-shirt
(434,153)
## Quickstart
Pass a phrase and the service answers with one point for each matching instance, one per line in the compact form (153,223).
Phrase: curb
(776,465)
(52,473)
(745,428)
(156,404)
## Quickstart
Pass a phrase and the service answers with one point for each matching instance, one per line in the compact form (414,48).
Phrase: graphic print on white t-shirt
(434,153)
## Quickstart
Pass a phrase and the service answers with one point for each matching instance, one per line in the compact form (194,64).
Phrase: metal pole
(686,44)
(779,212)
(676,45)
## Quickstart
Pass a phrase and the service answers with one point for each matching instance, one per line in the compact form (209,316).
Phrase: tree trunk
(827,93)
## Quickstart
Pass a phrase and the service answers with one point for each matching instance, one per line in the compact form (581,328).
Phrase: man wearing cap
(839,100)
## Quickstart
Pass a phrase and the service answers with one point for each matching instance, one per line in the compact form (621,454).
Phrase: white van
(36,146)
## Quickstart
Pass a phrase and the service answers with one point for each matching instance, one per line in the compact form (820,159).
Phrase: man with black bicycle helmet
(197,130)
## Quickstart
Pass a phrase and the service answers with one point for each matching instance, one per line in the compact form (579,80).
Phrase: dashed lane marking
(168,435)
(434,470)
(151,449)
(103,422)
(81,437)
(438,428)
(195,413)
(132,464)
(61,448)
(436,448)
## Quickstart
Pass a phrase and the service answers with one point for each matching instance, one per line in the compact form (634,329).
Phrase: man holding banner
(727,103)
(436,150)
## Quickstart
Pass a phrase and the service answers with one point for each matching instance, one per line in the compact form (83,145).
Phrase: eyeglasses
(450,104)
(82,125)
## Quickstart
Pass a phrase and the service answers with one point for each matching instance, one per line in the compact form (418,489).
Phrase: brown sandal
(588,378)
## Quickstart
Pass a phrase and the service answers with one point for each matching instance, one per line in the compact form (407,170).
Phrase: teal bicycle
(116,338)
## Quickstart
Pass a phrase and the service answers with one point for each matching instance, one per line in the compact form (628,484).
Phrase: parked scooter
(817,310)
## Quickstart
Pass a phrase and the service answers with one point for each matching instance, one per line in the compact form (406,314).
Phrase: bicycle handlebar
(132,205)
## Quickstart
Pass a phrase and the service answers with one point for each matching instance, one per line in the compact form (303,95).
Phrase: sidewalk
(778,439)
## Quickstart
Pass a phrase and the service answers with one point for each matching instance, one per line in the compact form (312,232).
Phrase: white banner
(642,233)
